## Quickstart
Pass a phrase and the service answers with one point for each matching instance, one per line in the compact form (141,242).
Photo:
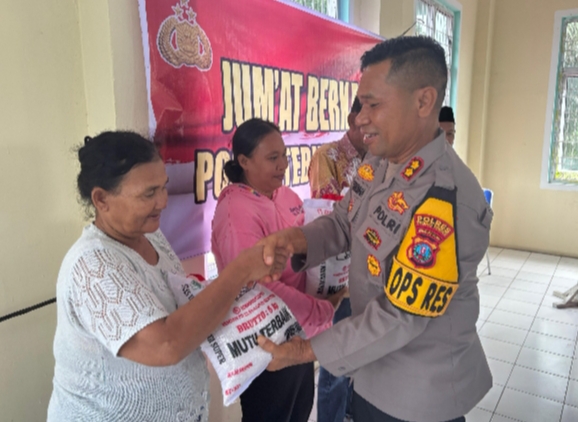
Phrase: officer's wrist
(306,353)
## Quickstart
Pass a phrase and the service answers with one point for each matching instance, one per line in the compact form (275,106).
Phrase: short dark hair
(416,62)
(356,106)
(446,115)
(245,140)
(108,157)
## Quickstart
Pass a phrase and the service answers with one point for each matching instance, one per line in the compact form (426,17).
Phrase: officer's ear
(426,99)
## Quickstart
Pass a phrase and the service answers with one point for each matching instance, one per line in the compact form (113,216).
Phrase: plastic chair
(489,194)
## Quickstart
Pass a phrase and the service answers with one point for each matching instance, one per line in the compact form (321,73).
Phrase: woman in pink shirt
(255,205)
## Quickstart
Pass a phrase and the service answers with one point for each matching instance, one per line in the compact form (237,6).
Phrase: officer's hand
(337,298)
(294,352)
(250,261)
(277,249)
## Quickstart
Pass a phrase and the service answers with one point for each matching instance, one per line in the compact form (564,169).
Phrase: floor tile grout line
(572,363)
(512,369)
(525,339)
(506,417)
(533,395)
(522,346)
(543,299)
(503,324)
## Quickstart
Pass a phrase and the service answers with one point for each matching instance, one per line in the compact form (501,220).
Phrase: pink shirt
(242,218)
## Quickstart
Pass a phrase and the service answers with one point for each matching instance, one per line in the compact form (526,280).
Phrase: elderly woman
(255,205)
(123,350)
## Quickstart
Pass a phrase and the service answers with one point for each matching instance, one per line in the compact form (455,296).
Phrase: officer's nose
(362,117)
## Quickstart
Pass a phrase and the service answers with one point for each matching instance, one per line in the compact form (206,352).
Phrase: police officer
(417,225)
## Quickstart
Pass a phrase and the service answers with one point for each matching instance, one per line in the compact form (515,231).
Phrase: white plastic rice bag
(232,348)
(332,275)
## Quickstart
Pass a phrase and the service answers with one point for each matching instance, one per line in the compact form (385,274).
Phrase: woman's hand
(285,242)
(251,265)
(336,298)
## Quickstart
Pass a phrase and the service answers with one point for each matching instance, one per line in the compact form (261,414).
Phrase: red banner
(211,65)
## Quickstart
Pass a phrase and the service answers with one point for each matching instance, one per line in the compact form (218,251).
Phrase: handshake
(266,261)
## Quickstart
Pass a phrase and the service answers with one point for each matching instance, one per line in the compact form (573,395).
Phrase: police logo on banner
(192,47)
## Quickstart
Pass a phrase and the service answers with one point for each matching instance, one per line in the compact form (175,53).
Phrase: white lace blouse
(106,293)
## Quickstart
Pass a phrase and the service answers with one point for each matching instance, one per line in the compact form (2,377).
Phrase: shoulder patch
(412,168)
(424,275)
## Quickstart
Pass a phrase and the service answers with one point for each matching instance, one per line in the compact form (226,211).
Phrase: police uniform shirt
(416,240)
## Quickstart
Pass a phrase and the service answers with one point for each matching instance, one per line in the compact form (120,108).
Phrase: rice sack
(332,275)
(232,348)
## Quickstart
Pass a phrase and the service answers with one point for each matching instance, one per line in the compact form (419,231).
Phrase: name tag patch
(357,188)
(386,220)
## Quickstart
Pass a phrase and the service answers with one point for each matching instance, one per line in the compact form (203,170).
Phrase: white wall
(512,73)
(43,115)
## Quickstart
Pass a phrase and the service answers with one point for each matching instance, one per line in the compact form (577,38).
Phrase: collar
(246,191)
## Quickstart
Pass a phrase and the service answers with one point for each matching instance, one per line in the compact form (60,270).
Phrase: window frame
(342,12)
(454,7)
(552,104)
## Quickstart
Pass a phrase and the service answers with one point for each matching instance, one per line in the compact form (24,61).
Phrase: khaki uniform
(416,240)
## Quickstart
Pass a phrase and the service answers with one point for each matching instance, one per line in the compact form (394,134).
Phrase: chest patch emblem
(412,168)
(373,266)
(366,172)
(357,188)
(350,207)
(372,237)
(430,232)
(396,202)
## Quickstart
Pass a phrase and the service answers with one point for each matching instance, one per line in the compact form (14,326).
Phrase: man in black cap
(448,123)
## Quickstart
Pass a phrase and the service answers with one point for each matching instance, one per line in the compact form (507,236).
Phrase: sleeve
(357,341)
(383,328)
(109,299)
(311,312)
(323,176)
(314,315)
(326,236)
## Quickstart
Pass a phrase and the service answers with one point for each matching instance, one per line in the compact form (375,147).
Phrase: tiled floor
(532,348)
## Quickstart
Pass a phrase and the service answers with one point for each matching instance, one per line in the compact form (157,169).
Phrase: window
(327,7)
(440,22)
(563,154)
